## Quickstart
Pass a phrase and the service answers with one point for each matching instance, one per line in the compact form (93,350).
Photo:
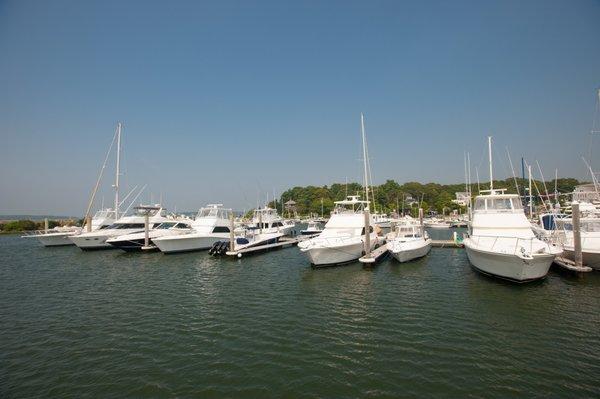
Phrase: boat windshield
(502,204)
(166,225)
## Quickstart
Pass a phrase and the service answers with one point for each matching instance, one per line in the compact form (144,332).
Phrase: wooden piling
(577,254)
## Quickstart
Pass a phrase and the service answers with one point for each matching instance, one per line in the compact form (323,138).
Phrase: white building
(585,193)
(462,199)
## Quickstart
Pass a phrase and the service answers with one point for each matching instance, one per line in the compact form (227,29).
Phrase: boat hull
(55,240)
(321,256)
(406,255)
(91,243)
(508,266)
(186,244)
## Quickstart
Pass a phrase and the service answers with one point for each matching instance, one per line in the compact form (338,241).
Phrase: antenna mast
(118,171)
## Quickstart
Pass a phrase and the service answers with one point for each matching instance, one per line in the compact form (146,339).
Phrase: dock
(282,243)
(446,244)
(375,256)
(569,265)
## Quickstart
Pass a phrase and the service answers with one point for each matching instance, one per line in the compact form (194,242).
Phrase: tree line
(391,196)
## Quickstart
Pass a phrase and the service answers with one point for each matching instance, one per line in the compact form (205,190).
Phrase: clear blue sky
(222,100)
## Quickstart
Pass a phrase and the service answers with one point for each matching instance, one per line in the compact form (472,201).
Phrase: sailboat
(344,238)
(501,242)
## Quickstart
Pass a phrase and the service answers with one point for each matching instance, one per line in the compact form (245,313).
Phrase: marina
(318,200)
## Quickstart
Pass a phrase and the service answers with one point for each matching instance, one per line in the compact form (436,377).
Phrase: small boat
(408,240)
(314,227)
(210,225)
(436,223)
(382,220)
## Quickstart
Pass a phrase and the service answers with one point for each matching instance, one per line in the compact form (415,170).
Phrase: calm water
(110,324)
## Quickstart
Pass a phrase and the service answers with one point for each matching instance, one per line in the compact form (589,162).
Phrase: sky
(233,101)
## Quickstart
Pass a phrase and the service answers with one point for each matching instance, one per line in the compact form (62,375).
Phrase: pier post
(260,224)
(146,230)
(231,233)
(367,234)
(421,222)
(46,225)
(577,255)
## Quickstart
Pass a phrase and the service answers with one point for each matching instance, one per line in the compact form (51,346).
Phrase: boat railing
(522,246)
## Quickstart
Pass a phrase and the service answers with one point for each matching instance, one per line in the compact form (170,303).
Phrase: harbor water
(114,324)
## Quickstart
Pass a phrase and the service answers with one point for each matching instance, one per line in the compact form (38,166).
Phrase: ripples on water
(111,324)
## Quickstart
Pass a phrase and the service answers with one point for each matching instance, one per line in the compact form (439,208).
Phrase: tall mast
(118,171)
(364,142)
(490,158)
(530,193)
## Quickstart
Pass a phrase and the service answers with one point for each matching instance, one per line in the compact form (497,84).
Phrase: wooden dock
(569,265)
(446,244)
(282,243)
(375,256)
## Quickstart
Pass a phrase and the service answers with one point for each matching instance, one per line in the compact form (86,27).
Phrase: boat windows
(362,232)
(221,229)
(166,225)
(499,204)
(480,204)
(122,226)
(182,226)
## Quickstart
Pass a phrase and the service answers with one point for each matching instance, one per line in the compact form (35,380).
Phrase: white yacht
(501,242)
(136,241)
(342,239)
(436,223)
(125,225)
(314,227)
(210,225)
(408,240)
(268,220)
(382,220)
(589,227)
(59,236)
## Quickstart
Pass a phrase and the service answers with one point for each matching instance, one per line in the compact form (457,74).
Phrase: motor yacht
(501,242)
(125,225)
(137,241)
(343,238)
(210,225)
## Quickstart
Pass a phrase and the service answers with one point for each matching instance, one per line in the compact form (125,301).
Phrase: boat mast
(530,194)
(490,158)
(118,170)
(362,127)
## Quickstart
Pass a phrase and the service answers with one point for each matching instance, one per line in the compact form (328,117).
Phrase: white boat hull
(91,242)
(509,266)
(55,240)
(187,243)
(336,254)
(406,253)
